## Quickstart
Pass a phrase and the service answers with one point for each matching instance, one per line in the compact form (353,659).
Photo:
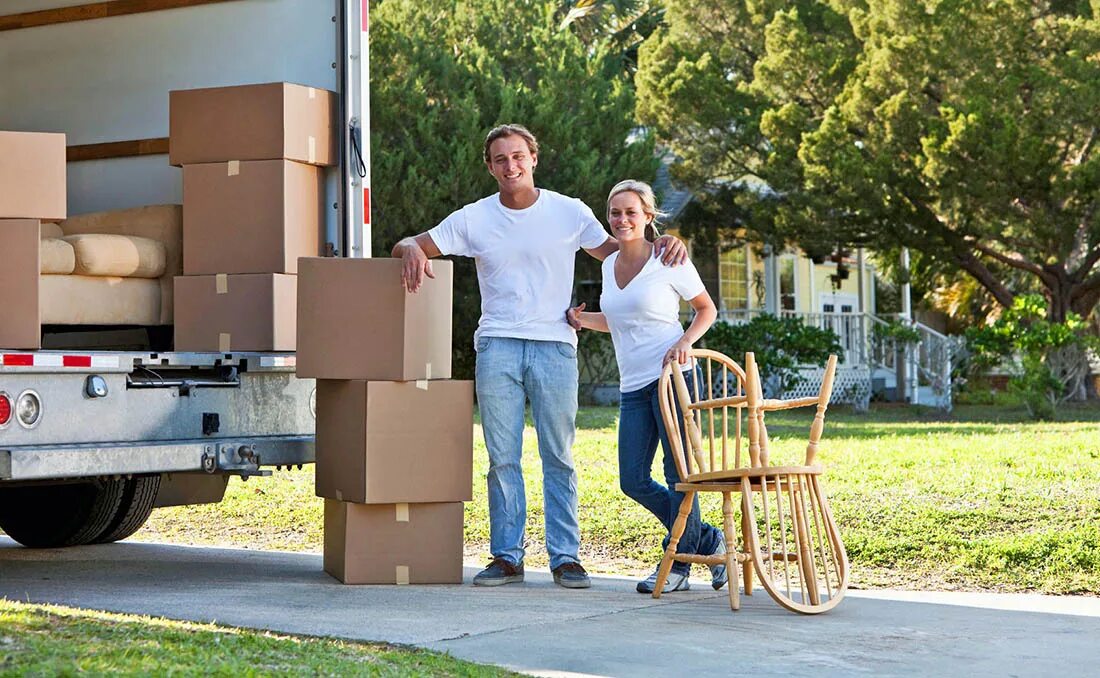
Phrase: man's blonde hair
(509,130)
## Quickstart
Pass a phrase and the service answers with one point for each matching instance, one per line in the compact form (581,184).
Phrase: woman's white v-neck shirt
(644,316)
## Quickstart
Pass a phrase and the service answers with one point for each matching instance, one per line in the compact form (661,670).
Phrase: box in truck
(100,424)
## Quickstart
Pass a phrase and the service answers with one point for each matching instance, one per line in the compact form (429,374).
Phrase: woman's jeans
(510,371)
(640,429)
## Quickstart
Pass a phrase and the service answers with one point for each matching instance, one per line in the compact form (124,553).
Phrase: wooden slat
(117,149)
(93,10)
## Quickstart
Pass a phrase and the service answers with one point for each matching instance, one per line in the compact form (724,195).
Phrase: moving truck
(99,427)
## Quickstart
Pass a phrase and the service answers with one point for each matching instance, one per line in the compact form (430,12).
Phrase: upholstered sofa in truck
(123,265)
(104,269)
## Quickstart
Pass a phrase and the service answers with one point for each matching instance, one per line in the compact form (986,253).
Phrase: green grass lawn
(48,640)
(978,499)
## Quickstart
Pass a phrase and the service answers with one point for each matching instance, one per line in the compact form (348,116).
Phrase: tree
(444,72)
(963,129)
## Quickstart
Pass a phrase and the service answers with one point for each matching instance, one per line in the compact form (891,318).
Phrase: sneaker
(571,576)
(718,574)
(499,572)
(676,581)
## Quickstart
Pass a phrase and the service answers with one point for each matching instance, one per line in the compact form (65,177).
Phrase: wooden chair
(788,535)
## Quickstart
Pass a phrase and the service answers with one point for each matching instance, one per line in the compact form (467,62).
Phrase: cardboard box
(355,321)
(252,122)
(250,217)
(32,176)
(20,325)
(381,442)
(393,543)
(223,313)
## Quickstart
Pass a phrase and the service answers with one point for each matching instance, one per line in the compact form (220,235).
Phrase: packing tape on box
(233,168)
(224,342)
(312,150)
(402,513)
(221,283)
(422,384)
(339,495)
(312,92)
(401,575)
(427,370)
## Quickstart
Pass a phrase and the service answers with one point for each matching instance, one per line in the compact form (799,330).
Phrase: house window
(786,284)
(733,278)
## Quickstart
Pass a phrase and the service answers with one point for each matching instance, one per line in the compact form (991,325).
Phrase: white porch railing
(868,356)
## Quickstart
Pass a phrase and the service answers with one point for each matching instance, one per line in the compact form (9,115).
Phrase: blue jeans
(508,372)
(640,428)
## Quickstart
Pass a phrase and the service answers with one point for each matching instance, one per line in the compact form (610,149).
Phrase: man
(523,240)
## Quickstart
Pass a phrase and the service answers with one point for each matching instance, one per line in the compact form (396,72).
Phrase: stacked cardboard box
(252,205)
(32,190)
(394,434)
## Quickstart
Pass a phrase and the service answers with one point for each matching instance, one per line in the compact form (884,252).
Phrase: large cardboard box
(393,543)
(355,321)
(222,313)
(381,442)
(32,176)
(250,217)
(252,122)
(20,326)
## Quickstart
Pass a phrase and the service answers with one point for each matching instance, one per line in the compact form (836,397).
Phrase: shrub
(781,345)
(1047,359)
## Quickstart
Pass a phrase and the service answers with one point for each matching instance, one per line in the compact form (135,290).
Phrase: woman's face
(627,217)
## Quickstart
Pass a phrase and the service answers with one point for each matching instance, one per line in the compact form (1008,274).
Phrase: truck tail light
(5,409)
(28,409)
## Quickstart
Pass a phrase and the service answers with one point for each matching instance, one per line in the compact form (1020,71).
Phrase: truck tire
(134,508)
(70,514)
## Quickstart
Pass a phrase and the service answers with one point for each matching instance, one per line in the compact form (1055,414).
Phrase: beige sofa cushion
(99,300)
(159,222)
(117,255)
(51,230)
(56,257)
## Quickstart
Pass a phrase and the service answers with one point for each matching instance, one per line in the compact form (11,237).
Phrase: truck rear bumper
(225,455)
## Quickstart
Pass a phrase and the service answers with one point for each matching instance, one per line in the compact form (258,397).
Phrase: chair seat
(736,474)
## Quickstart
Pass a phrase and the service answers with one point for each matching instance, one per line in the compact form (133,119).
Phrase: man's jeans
(508,370)
(640,429)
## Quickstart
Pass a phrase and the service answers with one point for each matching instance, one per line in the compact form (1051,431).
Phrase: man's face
(512,163)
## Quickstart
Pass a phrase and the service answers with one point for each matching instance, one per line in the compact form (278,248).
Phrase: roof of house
(673,199)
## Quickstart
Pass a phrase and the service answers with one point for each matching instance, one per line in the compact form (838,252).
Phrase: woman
(640,305)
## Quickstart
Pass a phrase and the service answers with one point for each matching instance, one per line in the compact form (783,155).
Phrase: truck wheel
(48,516)
(134,508)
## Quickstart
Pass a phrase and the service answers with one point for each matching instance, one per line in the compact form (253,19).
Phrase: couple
(523,240)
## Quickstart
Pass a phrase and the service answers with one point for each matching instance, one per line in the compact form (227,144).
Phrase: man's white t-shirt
(524,261)
(644,317)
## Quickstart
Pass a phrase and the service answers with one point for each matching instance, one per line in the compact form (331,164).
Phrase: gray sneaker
(571,576)
(675,581)
(718,574)
(499,572)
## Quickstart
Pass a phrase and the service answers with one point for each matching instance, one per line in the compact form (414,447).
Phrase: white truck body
(164,428)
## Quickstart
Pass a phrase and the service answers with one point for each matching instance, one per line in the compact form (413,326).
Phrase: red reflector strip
(366,205)
(55,360)
(366,14)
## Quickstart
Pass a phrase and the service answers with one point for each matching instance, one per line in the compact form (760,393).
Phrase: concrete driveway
(540,628)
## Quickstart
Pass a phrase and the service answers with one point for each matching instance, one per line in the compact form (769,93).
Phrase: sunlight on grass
(54,640)
(981,498)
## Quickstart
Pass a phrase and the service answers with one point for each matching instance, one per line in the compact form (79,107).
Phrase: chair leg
(747,566)
(731,552)
(673,541)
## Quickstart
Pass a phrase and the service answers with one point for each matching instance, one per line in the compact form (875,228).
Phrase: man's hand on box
(415,265)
